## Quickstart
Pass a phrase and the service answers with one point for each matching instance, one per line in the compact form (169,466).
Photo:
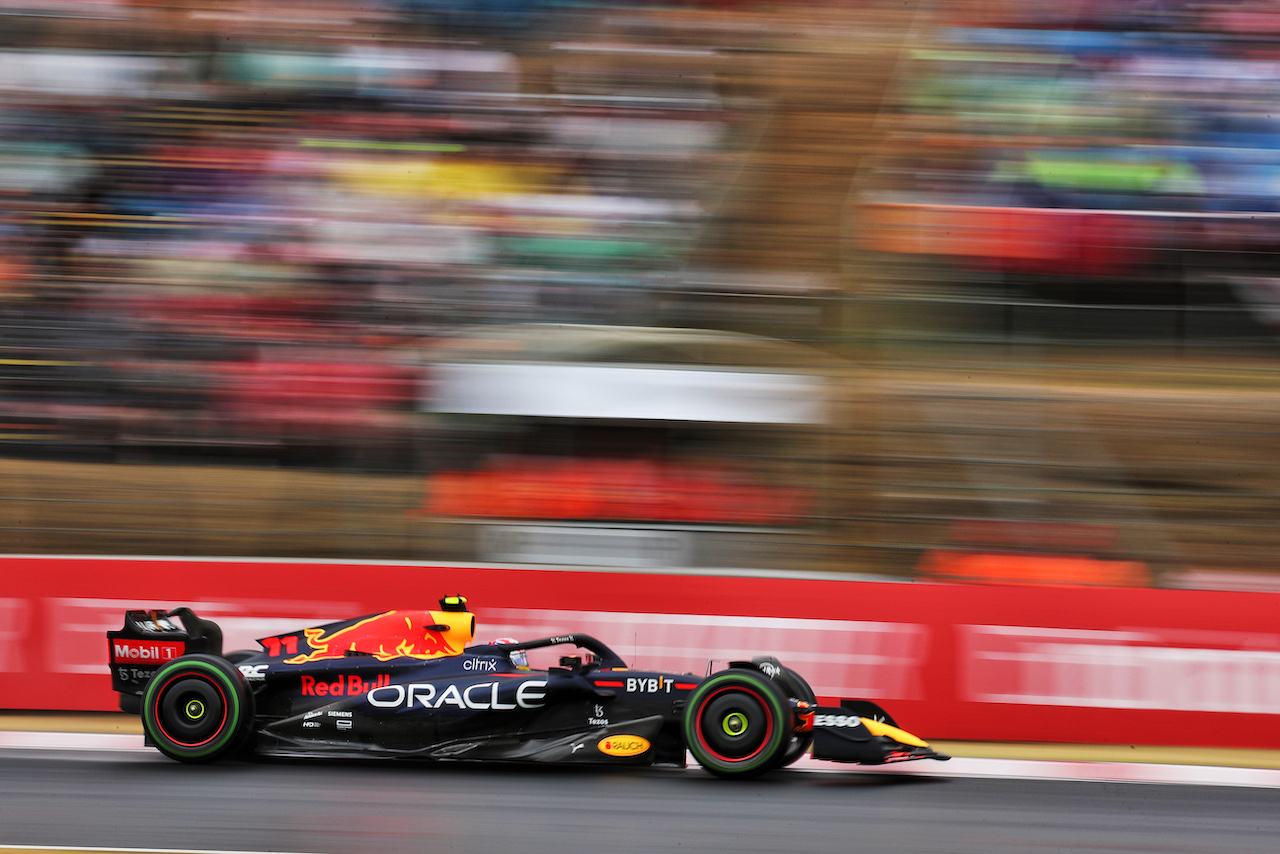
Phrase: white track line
(22,848)
(71,741)
(1045,769)
(1006,769)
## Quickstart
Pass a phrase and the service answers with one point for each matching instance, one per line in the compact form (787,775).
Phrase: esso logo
(837,720)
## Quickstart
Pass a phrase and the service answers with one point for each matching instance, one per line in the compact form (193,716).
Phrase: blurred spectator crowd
(1124,144)
(241,224)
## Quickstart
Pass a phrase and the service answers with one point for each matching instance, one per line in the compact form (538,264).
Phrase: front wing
(854,733)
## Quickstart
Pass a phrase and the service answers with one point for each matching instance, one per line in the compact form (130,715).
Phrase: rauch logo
(623,745)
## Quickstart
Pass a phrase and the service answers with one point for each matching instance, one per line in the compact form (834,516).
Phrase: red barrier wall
(1090,665)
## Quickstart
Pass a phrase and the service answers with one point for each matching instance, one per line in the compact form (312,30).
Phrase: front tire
(197,708)
(736,724)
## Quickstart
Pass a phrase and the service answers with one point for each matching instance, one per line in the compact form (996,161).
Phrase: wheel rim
(190,710)
(734,724)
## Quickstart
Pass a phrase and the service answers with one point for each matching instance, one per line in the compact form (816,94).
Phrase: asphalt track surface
(139,800)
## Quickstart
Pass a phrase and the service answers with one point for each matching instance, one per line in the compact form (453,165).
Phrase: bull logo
(389,635)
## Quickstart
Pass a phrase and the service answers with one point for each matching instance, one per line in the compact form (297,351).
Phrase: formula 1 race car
(411,684)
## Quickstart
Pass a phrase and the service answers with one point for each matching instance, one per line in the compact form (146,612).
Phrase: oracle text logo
(480,696)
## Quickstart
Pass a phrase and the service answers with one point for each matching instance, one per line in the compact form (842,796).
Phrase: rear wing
(148,640)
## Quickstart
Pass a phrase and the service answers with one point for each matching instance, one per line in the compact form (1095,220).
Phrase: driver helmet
(518,657)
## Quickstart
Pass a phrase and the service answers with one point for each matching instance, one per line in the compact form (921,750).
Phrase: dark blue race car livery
(413,684)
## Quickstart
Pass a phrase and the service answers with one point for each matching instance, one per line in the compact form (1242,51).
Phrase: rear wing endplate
(148,640)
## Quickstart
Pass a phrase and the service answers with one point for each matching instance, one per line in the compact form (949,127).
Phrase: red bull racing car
(413,684)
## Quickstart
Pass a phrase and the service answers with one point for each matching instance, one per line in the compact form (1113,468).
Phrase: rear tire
(736,724)
(197,708)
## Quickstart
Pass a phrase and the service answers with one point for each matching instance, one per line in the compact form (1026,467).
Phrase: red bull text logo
(384,636)
(344,686)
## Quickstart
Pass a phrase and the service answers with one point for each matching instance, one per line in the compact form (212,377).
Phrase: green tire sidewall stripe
(234,706)
(690,724)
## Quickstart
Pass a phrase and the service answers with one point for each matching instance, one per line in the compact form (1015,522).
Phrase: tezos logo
(837,720)
(623,745)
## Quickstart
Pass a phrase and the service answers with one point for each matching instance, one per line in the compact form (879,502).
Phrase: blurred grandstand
(234,227)
(1022,243)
